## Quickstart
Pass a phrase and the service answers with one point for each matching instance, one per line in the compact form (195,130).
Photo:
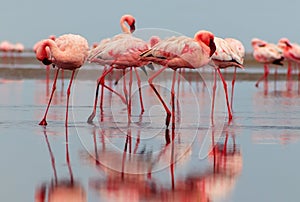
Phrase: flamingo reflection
(211,184)
(58,190)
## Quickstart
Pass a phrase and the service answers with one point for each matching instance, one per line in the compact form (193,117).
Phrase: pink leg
(129,97)
(101,81)
(226,94)
(140,90)
(44,122)
(124,87)
(213,98)
(298,66)
(68,156)
(173,99)
(264,76)
(275,77)
(68,97)
(102,95)
(289,76)
(150,81)
(47,79)
(232,88)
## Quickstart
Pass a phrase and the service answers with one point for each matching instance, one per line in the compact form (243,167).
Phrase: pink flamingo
(68,52)
(239,49)
(266,53)
(291,52)
(225,56)
(179,52)
(120,52)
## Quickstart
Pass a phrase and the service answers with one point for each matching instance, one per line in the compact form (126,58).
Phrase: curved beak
(212,47)
(46,61)
(132,27)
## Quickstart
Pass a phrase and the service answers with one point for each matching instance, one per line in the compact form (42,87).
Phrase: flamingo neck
(47,49)
(130,22)
(124,27)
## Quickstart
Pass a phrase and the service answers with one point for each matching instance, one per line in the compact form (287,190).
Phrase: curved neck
(44,52)
(123,26)
(130,22)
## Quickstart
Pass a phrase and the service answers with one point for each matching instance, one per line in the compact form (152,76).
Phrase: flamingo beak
(212,47)
(46,61)
(132,27)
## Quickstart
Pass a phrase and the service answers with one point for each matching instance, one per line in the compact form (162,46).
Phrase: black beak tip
(46,61)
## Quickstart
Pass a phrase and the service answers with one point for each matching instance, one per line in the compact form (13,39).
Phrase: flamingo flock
(276,54)
(127,52)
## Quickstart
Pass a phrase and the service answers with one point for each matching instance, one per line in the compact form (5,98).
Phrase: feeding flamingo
(120,52)
(225,56)
(179,52)
(291,52)
(266,53)
(68,52)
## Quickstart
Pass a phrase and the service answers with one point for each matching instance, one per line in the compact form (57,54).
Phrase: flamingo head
(43,54)
(207,38)
(129,19)
(284,42)
(258,42)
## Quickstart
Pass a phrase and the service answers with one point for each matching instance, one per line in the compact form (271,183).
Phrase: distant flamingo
(291,52)
(225,56)
(120,52)
(18,47)
(179,52)
(266,53)
(68,52)
(6,46)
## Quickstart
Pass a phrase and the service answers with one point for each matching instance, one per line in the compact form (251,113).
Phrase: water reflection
(130,174)
(63,189)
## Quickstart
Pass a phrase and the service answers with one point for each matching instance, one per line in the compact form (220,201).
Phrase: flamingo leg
(140,90)
(264,76)
(150,81)
(102,82)
(68,97)
(289,76)
(226,94)
(44,122)
(173,98)
(102,95)
(232,88)
(275,77)
(213,98)
(124,87)
(298,65)
(129,97)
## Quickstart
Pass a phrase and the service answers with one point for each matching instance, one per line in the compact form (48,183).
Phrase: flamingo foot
(256,85)
(43,122)
(91,117)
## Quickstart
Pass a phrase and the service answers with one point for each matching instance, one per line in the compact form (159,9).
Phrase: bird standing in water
(179,52)
(68,52)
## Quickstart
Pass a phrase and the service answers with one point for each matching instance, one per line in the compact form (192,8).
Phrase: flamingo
(266,53)
(291,52)
(239,49)
(68,52)
(224,57)
(120,52)
(179,52)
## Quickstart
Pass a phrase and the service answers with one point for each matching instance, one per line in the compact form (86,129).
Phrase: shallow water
(255,157)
